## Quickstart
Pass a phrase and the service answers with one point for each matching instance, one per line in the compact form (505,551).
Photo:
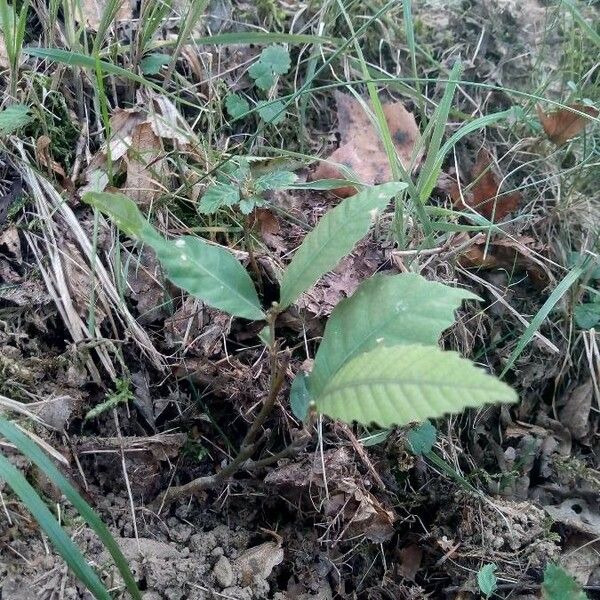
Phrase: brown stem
(249,444)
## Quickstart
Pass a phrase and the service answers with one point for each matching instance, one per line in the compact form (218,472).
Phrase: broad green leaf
(123,211)
(217,196)
(208,272)
(153,63)
(14,117)
(277,58)
(587,315)
(46,520)
(275,181)
(486,579)
(559,585)
(300,397)
(397,385)
(236,105)
(273,61)
(385,310)
(271,112)
(262,74)
(335,235)
(422,438)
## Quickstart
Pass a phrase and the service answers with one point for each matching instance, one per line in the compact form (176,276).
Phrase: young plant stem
(250,442)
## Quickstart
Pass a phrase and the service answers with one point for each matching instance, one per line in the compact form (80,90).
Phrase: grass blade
(544,311)
(35,454)
(60,540)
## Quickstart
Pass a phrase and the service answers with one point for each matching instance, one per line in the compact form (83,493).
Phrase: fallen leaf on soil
(145,170)
(563,124)
(44,157)
(575,415)
(258,561)
(410,561)
(484,195)
(361,148)
(94,9)
(576,513)
(509,254)
(580,558)
(10,243)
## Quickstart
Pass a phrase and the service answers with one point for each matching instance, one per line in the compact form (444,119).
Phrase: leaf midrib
(418,382)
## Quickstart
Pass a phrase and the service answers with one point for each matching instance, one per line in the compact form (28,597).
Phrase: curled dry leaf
(145,168)
(484,193)
(44,157)
(563,124)
(510,255)
(93,11)
(361,148)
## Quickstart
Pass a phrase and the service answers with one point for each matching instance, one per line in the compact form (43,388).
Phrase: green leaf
(14,117)
(206,271)
(486,579)
(210,273)
(263,75)
(153,63)
(385,310)
(35,454)
(300,397)
(123,211)
(587,315)
(217,196)
(422,438)
(275,180)
(559,585)
(277,58)
(273,61)
(236,105)
(334,236)
(271,112)
(60,540)
(401,384)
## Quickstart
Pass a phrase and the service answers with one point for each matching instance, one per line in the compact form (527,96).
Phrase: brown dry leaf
(44,156)
(145,169)
(93,10)
(11,244)
(123,122)
(576,514)
(410,561)
(575,415)
(563,124)
(484,195)
(508,254)
(361,148)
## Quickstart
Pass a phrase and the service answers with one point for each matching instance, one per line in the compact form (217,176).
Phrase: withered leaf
(485,194)
(361,148)
(563,124)
(511,255)
(144,166)
(44,156)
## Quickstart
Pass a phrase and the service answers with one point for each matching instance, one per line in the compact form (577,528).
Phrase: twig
(249,444)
